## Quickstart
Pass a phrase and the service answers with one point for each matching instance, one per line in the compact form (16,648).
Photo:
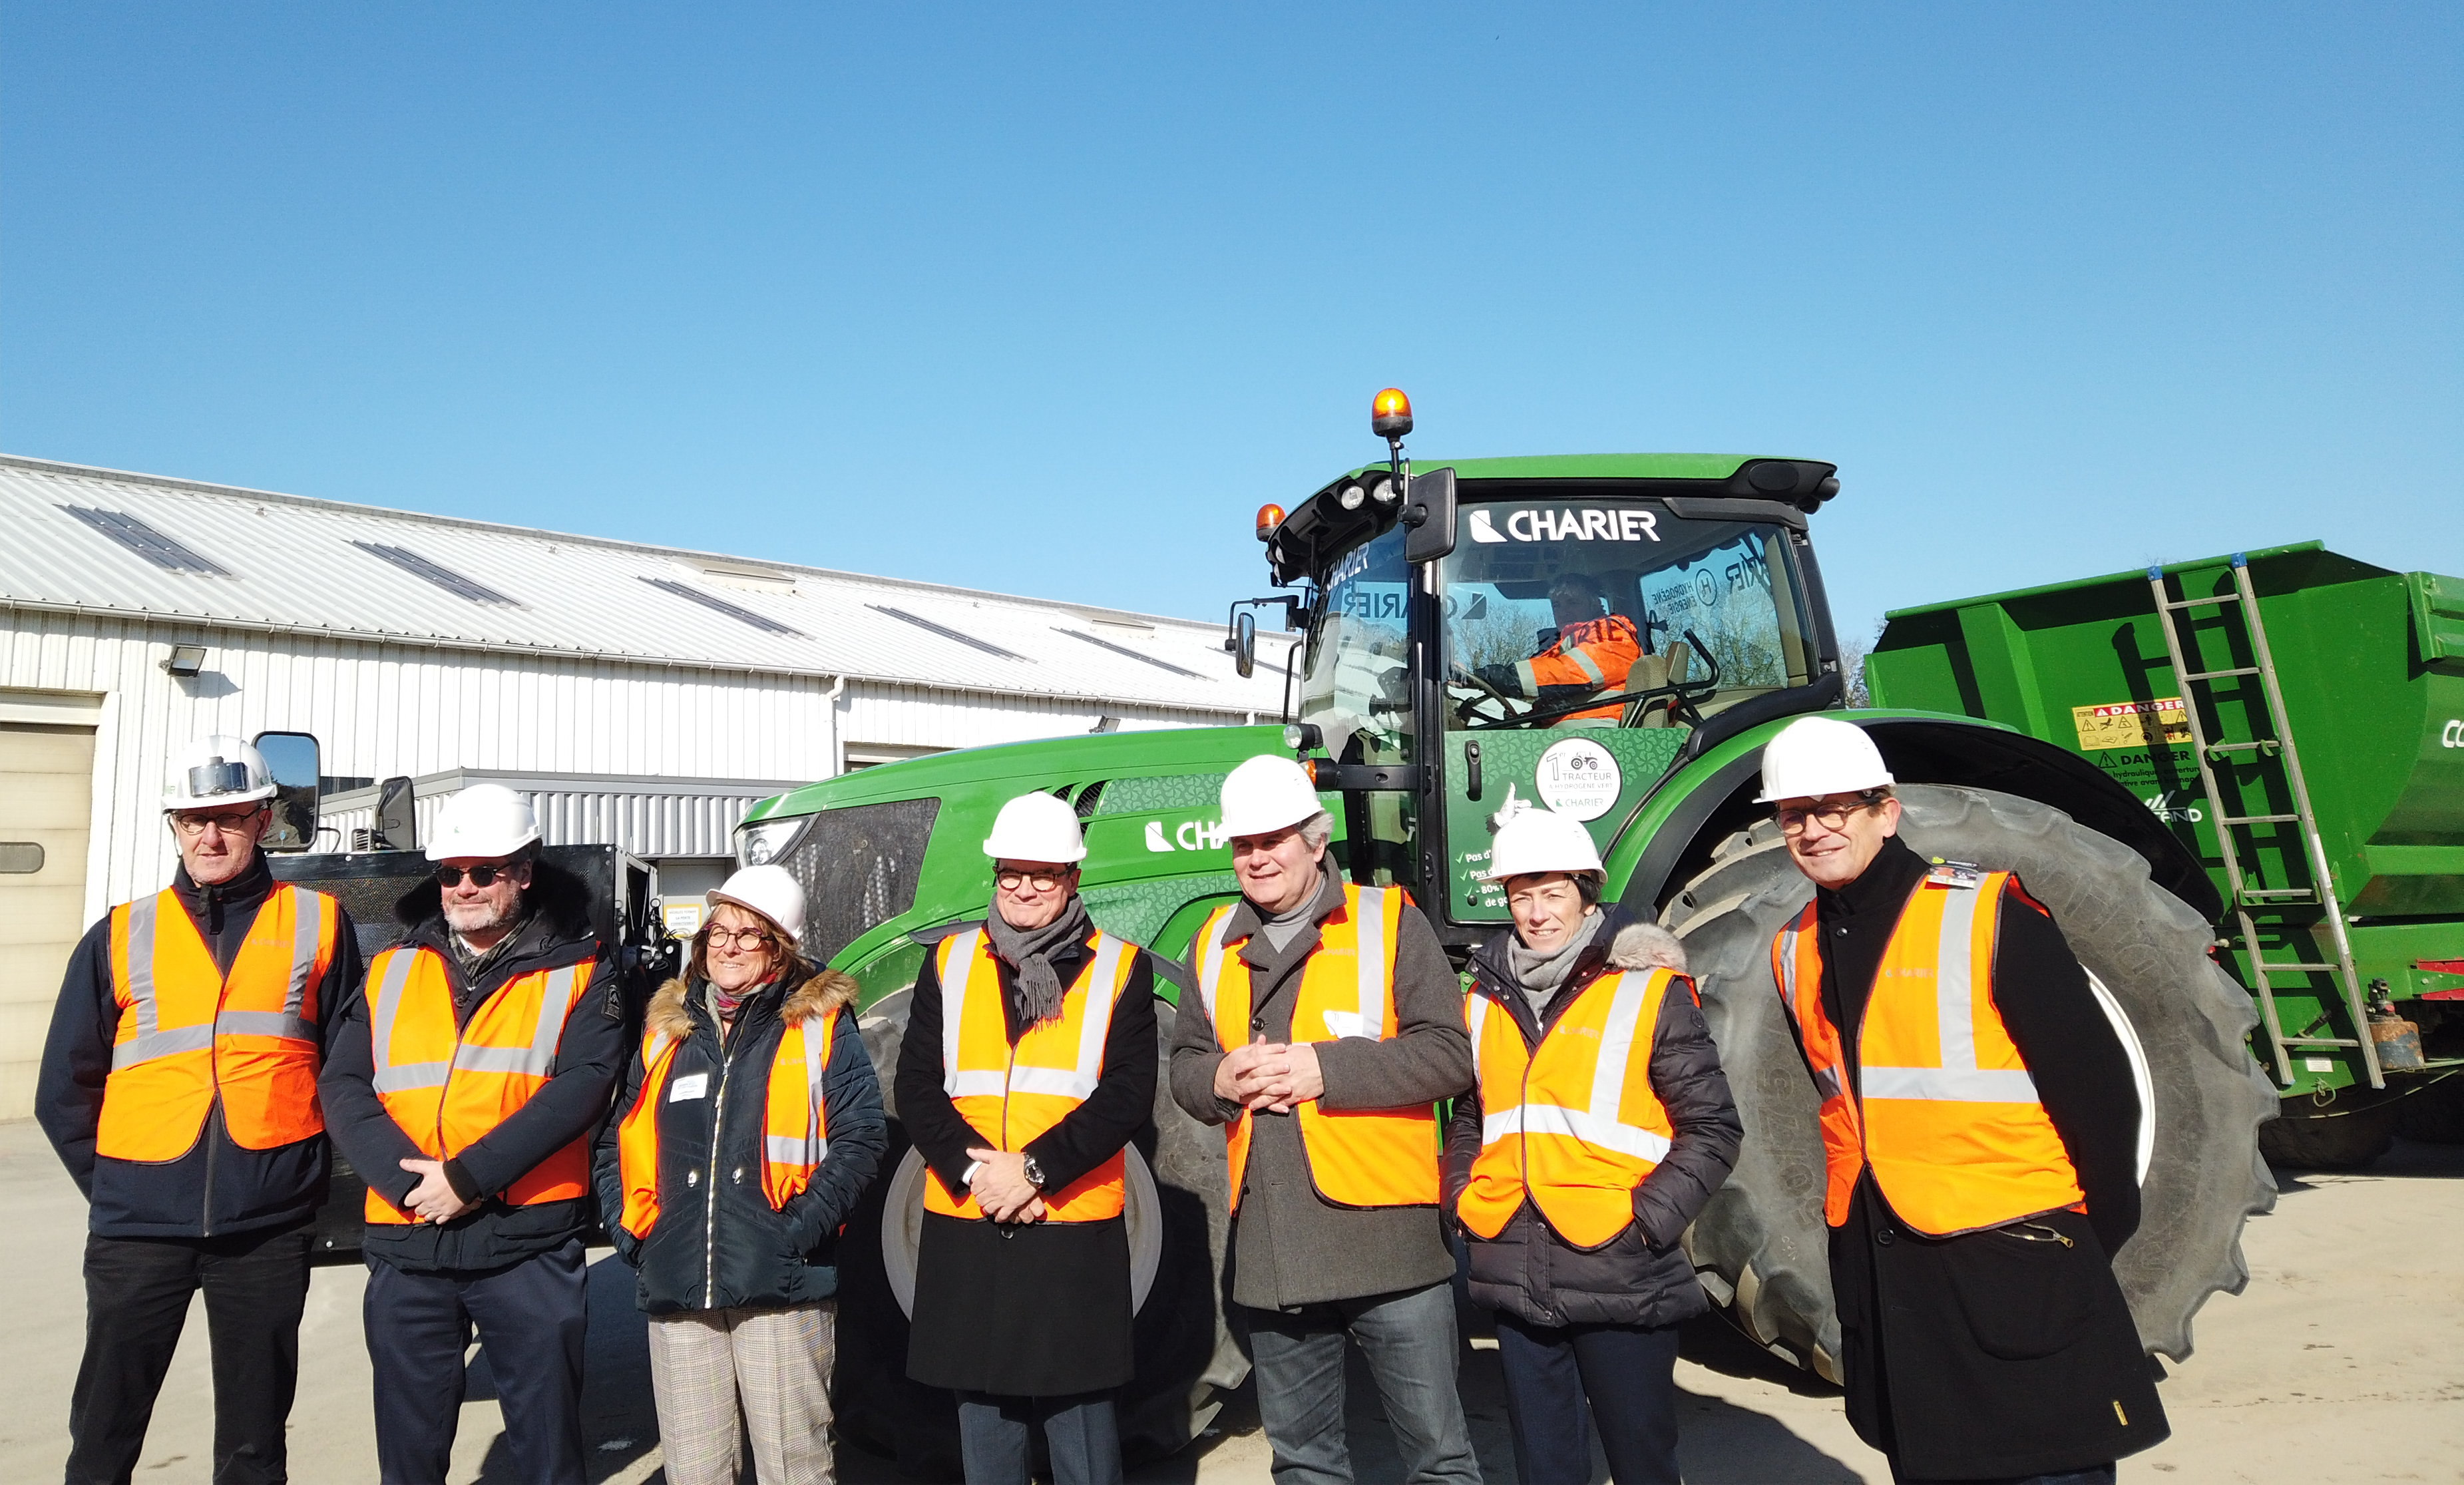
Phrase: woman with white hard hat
(748,1125)
(1027,1066)
(1600,1126)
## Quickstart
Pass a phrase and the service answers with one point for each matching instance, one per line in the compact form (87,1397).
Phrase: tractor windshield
(1573,614)
(1357,688)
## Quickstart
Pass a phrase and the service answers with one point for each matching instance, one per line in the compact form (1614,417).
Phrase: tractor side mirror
(1429,512)
(1245,644)
(397,817)
(293,759)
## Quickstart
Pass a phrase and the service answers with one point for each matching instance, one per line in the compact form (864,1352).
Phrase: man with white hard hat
(1980,1136)
(1028,1065)
(179,1086)
(479,1063)
(1327,1025)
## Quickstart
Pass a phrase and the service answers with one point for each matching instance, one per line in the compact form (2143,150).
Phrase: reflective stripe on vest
(1944,1112)
(1010,1095)
(1356,1156)
(795,1126)
(488,1067)
(189,1036)
(1586,1126)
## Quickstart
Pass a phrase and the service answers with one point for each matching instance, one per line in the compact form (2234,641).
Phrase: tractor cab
(1557,632)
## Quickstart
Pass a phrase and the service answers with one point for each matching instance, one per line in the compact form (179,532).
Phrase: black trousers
(531,1318)
(137,1293)
(1627,1374)
(996,1439)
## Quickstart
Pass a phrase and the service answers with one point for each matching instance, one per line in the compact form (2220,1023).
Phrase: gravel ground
(2340,1363)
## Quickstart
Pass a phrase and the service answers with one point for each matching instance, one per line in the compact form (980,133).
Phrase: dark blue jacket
(217,1187)
(716,1244)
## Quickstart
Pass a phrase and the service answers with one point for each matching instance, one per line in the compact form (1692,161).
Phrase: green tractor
(1417,597)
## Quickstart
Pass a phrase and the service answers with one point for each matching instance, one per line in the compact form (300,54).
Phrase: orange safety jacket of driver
(1010,1095)
(448,1089)
(1595,652)
(189,1034)
(1356,1157)
(795,1126)
(1574,1124)
(1944,1109)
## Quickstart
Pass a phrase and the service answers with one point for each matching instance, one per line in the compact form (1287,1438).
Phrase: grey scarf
(1539,974)
(1284,927)
(1030,950)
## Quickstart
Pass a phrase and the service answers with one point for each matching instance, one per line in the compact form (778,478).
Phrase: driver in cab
(1590,654)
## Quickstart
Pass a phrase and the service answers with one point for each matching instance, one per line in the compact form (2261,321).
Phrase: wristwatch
(1034,1173)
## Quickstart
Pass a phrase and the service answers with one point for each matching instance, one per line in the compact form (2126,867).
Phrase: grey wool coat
(1291,1247)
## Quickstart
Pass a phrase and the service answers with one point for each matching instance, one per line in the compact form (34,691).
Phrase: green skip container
(2368,667)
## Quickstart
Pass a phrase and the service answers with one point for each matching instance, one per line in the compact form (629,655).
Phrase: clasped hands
(1269,1076)
(1001,1188)
(434,1200)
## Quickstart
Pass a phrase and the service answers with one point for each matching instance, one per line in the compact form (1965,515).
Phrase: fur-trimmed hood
(1624,941)
(809,995)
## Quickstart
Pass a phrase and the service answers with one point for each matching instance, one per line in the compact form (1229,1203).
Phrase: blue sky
(1048,300)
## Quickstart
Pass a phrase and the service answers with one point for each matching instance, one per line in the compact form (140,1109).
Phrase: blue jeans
(1624,1373)
(1082,1433)
(1408,1339)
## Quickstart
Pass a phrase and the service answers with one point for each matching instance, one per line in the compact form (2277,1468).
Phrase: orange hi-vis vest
(446,1090)
(189,1034)
(1574,1124)
(1356,1157)
(1595,652)
(1009,1095)
(795,1126)
(1946,1113)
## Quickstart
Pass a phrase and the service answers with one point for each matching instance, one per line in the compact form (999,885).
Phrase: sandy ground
(2340,1363)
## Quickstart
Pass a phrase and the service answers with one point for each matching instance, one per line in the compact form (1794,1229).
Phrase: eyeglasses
(1833,813)
(743,941)
(483,876)
(231,822)
(1044,882)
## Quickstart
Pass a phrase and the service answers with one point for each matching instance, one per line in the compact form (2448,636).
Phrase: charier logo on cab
(1187,835)
(1592,525)
(2453,734)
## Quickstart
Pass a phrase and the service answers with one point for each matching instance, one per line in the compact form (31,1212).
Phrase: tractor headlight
(765,842)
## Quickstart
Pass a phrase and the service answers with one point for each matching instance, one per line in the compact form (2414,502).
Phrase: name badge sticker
(690,1086)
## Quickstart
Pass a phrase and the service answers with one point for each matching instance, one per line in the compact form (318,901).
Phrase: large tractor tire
(1762,1238)
(1187,1360)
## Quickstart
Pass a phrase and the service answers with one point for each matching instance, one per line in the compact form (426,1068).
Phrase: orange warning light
(1270,516)
(1390,415)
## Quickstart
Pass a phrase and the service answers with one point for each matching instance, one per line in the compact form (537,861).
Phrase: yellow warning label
(2131,725)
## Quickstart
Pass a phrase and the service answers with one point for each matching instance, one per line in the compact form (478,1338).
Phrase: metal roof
(291,563)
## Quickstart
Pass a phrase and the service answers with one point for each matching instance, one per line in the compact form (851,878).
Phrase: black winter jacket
(1642,1276)
(217,1187)
(738,1253)
(566,1108)
(2010,1351)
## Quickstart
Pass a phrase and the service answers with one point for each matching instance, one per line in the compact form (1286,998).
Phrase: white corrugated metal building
(641,695)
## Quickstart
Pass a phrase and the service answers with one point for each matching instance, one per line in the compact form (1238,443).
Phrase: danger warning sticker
(2131,725)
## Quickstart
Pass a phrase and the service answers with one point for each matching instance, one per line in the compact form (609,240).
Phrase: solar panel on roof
(445,577)
(146,541)
(767,625)
(969,640)
(1105,644)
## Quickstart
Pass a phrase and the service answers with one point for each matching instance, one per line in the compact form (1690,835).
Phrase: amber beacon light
(1270,516)
(1390,415)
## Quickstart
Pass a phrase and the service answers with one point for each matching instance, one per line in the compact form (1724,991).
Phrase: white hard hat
(1813,756)
(216,771)
(1537,840)
(1037,828)
(1265,794)
(484,820)
(769,891)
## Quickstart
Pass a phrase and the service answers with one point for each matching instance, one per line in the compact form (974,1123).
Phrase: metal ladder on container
(2245,893)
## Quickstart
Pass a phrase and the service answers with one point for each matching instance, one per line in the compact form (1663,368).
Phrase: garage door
(46,798)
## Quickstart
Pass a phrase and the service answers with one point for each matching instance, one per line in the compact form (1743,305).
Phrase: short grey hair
(1317,830)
